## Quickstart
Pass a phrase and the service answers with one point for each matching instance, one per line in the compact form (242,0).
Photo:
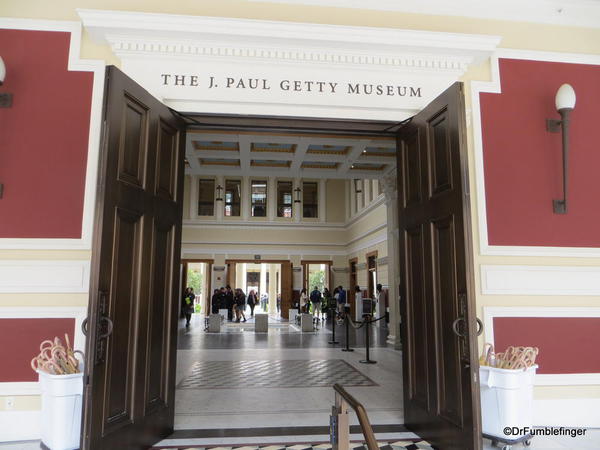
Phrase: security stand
(347,317)
(367,319)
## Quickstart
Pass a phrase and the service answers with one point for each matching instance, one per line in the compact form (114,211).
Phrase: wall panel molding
(540,280)
(75,63)
(44,276)
(491,312)
(494,86)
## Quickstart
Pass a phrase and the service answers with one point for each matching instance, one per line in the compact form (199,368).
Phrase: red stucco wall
(523,162)
(43,137)
(567,344)
(21,339)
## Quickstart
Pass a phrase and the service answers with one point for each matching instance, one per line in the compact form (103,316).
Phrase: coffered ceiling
(302,155)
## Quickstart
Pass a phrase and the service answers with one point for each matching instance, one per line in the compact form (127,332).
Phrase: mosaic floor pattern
(401,445)
(273,374)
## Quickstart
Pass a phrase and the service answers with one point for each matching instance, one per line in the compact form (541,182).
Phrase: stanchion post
(333,322)
(347,317)
(367,319)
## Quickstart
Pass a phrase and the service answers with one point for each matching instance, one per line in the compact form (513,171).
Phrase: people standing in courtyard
(315,298)
(252,300)
(358,302)
(229,302)
(215,302)
(188,305)
(240,304)
(303,301)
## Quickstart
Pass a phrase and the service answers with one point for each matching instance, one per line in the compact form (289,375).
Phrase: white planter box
(506,400)
(61,410)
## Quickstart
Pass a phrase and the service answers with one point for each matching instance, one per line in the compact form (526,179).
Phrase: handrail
(361,413)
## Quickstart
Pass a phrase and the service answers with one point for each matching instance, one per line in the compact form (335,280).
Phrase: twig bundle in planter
(56,358)
(513,357)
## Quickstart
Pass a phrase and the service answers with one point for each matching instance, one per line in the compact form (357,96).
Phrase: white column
(245,200)
(322,200)
(390,190)
(348,185)
(353,202)
(194,197)
(296,207)
(272,288)
(367,191)
(220,206)
(263,278)
(271,198)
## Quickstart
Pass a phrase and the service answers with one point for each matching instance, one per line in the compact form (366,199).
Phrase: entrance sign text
(289,85)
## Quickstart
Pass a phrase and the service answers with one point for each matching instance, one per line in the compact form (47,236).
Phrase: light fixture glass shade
(2,71)
(565,97)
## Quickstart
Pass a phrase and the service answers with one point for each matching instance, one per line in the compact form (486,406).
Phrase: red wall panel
(21,339)
(523,162)
(567,344)
(43,137)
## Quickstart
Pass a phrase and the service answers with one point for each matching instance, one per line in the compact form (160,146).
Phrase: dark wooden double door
(132,321)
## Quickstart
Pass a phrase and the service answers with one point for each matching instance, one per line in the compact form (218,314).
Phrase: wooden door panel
(441,399)
(158,337)
(132,148)
(122,303)
(129,399)
(444,271)
(439,153)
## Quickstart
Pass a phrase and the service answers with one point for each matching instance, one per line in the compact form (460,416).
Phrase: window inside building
(206,197)
(310,199)
(258,193)
(284,199)
(233,197)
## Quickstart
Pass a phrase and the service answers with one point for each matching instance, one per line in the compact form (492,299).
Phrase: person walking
(315,298)
(341,301)
(358,302)
(252,300)
(188,305)
(240,303)
(327,303)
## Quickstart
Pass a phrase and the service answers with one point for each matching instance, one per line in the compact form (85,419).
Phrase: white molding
(75,63)
(494,86)
(540,280)
(20,425)
(490,312)
(578,13)
(146,43)
(567,412)
(79,313)
(44,276)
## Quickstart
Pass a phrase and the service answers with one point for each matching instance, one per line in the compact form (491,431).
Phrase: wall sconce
(565,103)
(219,193)
(297,193)
(5,97)
(358,185)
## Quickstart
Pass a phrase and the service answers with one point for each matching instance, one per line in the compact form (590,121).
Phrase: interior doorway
(132,336)
(197,274)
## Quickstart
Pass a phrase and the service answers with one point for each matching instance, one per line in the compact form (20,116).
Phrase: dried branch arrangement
(56,358)
(512,358)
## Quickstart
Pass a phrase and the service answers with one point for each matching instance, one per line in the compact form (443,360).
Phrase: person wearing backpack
(315,299)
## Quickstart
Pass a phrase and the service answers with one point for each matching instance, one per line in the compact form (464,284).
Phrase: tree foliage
(194,280)
(316,278)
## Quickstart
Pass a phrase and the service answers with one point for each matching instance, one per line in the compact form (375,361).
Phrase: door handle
(455,327)
(479,326)
(109,327)
(84,326)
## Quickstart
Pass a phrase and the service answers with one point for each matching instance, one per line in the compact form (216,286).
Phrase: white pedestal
(306,322)
(223,313)
(292,314)
(261,323)
(214,323)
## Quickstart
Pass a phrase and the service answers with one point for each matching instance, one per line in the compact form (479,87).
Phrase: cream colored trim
(490,312)
(74,64)
(540,280)
(567,412)
(20,425)
(578,13)
(494,86)
(44,276)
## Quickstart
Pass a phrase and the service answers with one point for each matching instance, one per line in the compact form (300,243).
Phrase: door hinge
(87,380)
